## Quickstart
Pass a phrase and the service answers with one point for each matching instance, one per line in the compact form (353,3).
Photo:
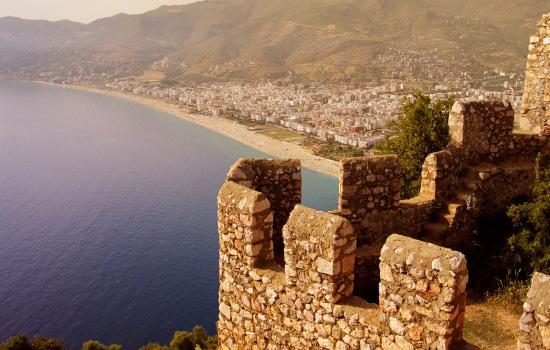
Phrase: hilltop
(332,40)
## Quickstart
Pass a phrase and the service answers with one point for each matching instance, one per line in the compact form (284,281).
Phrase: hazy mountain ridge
(18,34)
(259,38)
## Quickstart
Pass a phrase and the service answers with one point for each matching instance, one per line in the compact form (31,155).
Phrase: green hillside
(247,39)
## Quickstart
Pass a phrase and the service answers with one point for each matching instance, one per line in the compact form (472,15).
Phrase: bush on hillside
(420,129)
(198,339)
(530,244)
(21,342)
(95,345)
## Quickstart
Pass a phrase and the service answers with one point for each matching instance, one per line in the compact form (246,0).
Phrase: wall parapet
(535,322)
(481,131)
(439,175)
(308,303)
(369,185)
(319,253)
(280,180)
(422,294)
(535,116)
(245,225)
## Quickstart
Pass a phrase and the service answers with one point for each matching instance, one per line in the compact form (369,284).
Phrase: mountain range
(251,39)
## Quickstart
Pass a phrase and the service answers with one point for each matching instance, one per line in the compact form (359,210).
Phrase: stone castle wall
(535,116)
(292,277)
(535,323)
(279,180)
(308,303)
(485,167)
(484,154)
(481,131)
(422,294)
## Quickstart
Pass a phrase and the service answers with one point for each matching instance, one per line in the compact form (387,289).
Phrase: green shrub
(530,244)
(420,129)
(95,345)
(198,339)
(511,291)
(21,342)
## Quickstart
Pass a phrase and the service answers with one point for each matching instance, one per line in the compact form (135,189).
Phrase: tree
(182,341)
(531,242)
(154,346)
(42,343)
(198,339)
(420,129)
(21,342)
(95,345)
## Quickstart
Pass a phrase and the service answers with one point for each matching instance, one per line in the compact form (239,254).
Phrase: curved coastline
(263,143)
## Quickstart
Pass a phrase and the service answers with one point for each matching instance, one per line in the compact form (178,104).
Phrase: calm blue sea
(108,217)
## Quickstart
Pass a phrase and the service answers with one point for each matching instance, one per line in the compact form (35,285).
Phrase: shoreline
(221,125)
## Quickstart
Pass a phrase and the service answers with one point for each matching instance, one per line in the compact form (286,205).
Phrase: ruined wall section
(280,180)
(498,185)
(369,185)
(369,197)
(535,322)
(481,134)
(308,304)
(245,225)
(422,294)
(535,117)
(528,145)
(326,243)
(481,131)
(440,175)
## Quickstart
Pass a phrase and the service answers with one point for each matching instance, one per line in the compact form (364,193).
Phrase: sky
(83,11)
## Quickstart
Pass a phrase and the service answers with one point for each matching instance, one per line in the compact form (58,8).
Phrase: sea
(108,217)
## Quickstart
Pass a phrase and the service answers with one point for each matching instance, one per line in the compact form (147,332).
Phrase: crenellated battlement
(245,225)
(280,180)
(292,277)
(319,254)
(369,185)
(309,303)
(295,277)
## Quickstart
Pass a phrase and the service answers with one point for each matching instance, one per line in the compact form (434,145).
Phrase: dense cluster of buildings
(352,116)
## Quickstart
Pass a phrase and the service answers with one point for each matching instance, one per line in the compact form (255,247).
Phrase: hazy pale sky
(79,10)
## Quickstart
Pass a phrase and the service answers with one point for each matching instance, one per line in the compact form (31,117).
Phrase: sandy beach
(263,143)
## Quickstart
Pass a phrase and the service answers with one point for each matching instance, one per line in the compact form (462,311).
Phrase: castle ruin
(292,277)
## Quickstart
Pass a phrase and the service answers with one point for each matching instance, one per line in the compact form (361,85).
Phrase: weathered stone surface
(332,258)
(534,112)
(369,185)
(308,303)
(534,324)
(280,180)
(481,130)
(423,309)
(323,242)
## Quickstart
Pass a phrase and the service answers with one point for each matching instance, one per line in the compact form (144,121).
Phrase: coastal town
(354,116)
(350,116)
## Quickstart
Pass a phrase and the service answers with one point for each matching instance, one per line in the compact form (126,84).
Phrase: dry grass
(281,134)
(491,326)
(151,75)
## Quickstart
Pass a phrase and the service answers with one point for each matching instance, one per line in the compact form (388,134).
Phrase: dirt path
(490,326)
